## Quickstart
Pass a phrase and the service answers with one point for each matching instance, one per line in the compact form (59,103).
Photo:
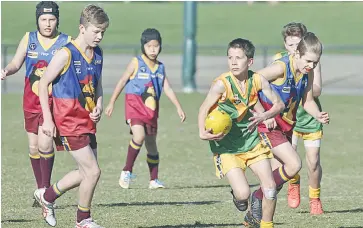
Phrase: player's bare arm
(56,65)
(272,72)
(276,108)
(18,59)
(97,111)
(172,97)
(215,92)
(120,86)
(271,122)
(317,84)
(309,104)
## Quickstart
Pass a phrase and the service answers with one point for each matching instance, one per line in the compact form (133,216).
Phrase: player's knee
(138,138)
(314,165)
(33,149)
(45,147)
(93,174)
(151,147)
(270,193)
(241,194)
(295,165)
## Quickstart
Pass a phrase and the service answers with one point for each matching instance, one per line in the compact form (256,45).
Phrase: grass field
(194,197)
(217,23)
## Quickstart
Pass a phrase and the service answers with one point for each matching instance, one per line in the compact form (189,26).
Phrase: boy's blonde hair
(94,15)
(310,43)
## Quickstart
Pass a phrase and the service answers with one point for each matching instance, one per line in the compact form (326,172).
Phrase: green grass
(194,197)
(336,23)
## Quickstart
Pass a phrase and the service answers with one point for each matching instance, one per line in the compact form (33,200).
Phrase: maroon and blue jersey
(291,89)
(38,56)
(74,91)
(143,91)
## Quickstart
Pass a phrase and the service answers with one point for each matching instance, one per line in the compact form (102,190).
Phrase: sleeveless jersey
(304,121)
(38,56)
(143,91)
(291,90)
(279,55)
(74,91)
(237,104)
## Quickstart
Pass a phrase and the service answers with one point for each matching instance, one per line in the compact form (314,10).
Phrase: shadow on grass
(208,186)
(158,203)
(17,220)
(356,210)
(198,224)
(146,204)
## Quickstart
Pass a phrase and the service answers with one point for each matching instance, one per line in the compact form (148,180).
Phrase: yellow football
(218,121)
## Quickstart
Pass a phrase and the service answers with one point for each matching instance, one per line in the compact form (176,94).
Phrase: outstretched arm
(130,69)
(17,60)
(272,72)
(172,97)
(277,105)
(317,84)
(309,104)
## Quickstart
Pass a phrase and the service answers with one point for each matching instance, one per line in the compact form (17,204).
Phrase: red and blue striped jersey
(38,56)
(74,91)
(291,89)
(143,91)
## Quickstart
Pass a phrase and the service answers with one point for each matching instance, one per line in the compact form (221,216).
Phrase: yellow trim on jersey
(136,64)
(45,46)
(69,39)
(224,81)
(65,68)
(257,84)
(282,80)
(277,56)
(89,60)
(296,77)
(241,107)
(244,94)
(147,62)
(26,40)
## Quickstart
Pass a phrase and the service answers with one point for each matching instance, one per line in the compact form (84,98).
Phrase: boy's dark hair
(246,45)
(293,29)
(148,35)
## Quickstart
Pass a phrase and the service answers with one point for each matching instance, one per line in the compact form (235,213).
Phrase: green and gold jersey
(237,104)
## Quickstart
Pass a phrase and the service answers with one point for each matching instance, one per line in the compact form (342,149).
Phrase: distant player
(37,49)
(236,93)
(144,80)
(306,127)
(76,74)
(292,77)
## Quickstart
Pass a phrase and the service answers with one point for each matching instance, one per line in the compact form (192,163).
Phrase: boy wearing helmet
(37,48)
(144,80)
